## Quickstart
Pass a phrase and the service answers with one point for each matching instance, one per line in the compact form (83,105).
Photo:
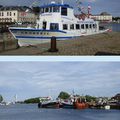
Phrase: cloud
(30,79)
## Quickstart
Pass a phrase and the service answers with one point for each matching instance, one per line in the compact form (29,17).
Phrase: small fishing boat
(49,104)
(80,104)
(67,105)
(55,19)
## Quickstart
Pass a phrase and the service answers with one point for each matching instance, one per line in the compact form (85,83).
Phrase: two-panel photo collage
(59,60)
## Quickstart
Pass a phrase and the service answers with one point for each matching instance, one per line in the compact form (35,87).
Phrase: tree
(1,98)
(90,98)
(63,95)
(32,100)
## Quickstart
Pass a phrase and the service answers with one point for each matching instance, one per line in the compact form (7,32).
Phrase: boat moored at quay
(55,20)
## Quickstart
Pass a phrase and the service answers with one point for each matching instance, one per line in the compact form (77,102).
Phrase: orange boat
(80,105)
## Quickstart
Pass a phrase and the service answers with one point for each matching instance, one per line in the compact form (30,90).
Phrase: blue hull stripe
(42,37)
(40,30)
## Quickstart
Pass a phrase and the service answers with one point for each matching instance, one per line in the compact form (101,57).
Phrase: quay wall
(7,42)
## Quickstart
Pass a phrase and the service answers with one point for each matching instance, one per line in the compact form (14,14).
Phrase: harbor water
(31,112)
(115,27)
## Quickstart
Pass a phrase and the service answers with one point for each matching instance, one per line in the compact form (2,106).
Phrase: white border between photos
(59,58)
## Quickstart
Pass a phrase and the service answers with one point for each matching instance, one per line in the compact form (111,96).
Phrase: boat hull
(80,105)
(67,106)
(32,36)
(54,105)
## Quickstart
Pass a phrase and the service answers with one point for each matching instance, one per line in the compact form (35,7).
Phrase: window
(2,14)
(82,26)
(94,26)
(86,25)
(42,10)
(10,13)
(44,25)
(56,9)
(7,13)
(14,14)
(77,26)
(54,26)
(50,9)
(65,27)
(90,26)
(46,9)
(64,11)
(72,26)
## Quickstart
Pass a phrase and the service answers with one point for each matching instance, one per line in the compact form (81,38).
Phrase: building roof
(104,13)
(19,8)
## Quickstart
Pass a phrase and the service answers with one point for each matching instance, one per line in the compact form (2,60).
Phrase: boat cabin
(61,17)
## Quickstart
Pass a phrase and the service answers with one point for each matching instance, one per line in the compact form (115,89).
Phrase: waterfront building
(104,17)
(15,14)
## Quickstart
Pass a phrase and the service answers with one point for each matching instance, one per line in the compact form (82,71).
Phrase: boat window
(77,26)
(86,25)
(54,26)
(63,11)
(56,9)
(50,9)
(65,27)
(72,26)
(46,9)
(44,25)
(82,26)
(90,26)
(42,10)
(93,25)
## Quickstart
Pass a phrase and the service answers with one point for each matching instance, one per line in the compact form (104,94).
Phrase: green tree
(63,95)
(1,98)
(32,100)
(90,98)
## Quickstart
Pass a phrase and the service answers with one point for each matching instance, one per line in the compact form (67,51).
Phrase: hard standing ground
(101,44)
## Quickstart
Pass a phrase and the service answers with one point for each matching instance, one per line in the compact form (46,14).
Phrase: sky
(98,6)
(35,79)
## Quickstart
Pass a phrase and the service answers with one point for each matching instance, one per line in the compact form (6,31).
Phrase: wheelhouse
(55,8)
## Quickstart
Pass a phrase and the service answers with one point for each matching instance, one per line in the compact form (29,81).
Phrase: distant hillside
(32,100)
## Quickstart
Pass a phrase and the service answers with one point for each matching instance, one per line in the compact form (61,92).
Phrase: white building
(16,14)
(104,16)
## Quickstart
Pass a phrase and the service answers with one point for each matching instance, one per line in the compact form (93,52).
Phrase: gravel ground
(101,44)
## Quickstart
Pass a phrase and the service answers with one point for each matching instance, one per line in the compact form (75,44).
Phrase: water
(114,26)
(31,112)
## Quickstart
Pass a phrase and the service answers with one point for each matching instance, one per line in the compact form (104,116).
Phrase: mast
(62,1)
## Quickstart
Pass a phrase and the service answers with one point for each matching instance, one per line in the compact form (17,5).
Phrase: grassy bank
(101,44)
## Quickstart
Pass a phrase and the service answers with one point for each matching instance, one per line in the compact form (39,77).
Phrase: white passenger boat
(55,20)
